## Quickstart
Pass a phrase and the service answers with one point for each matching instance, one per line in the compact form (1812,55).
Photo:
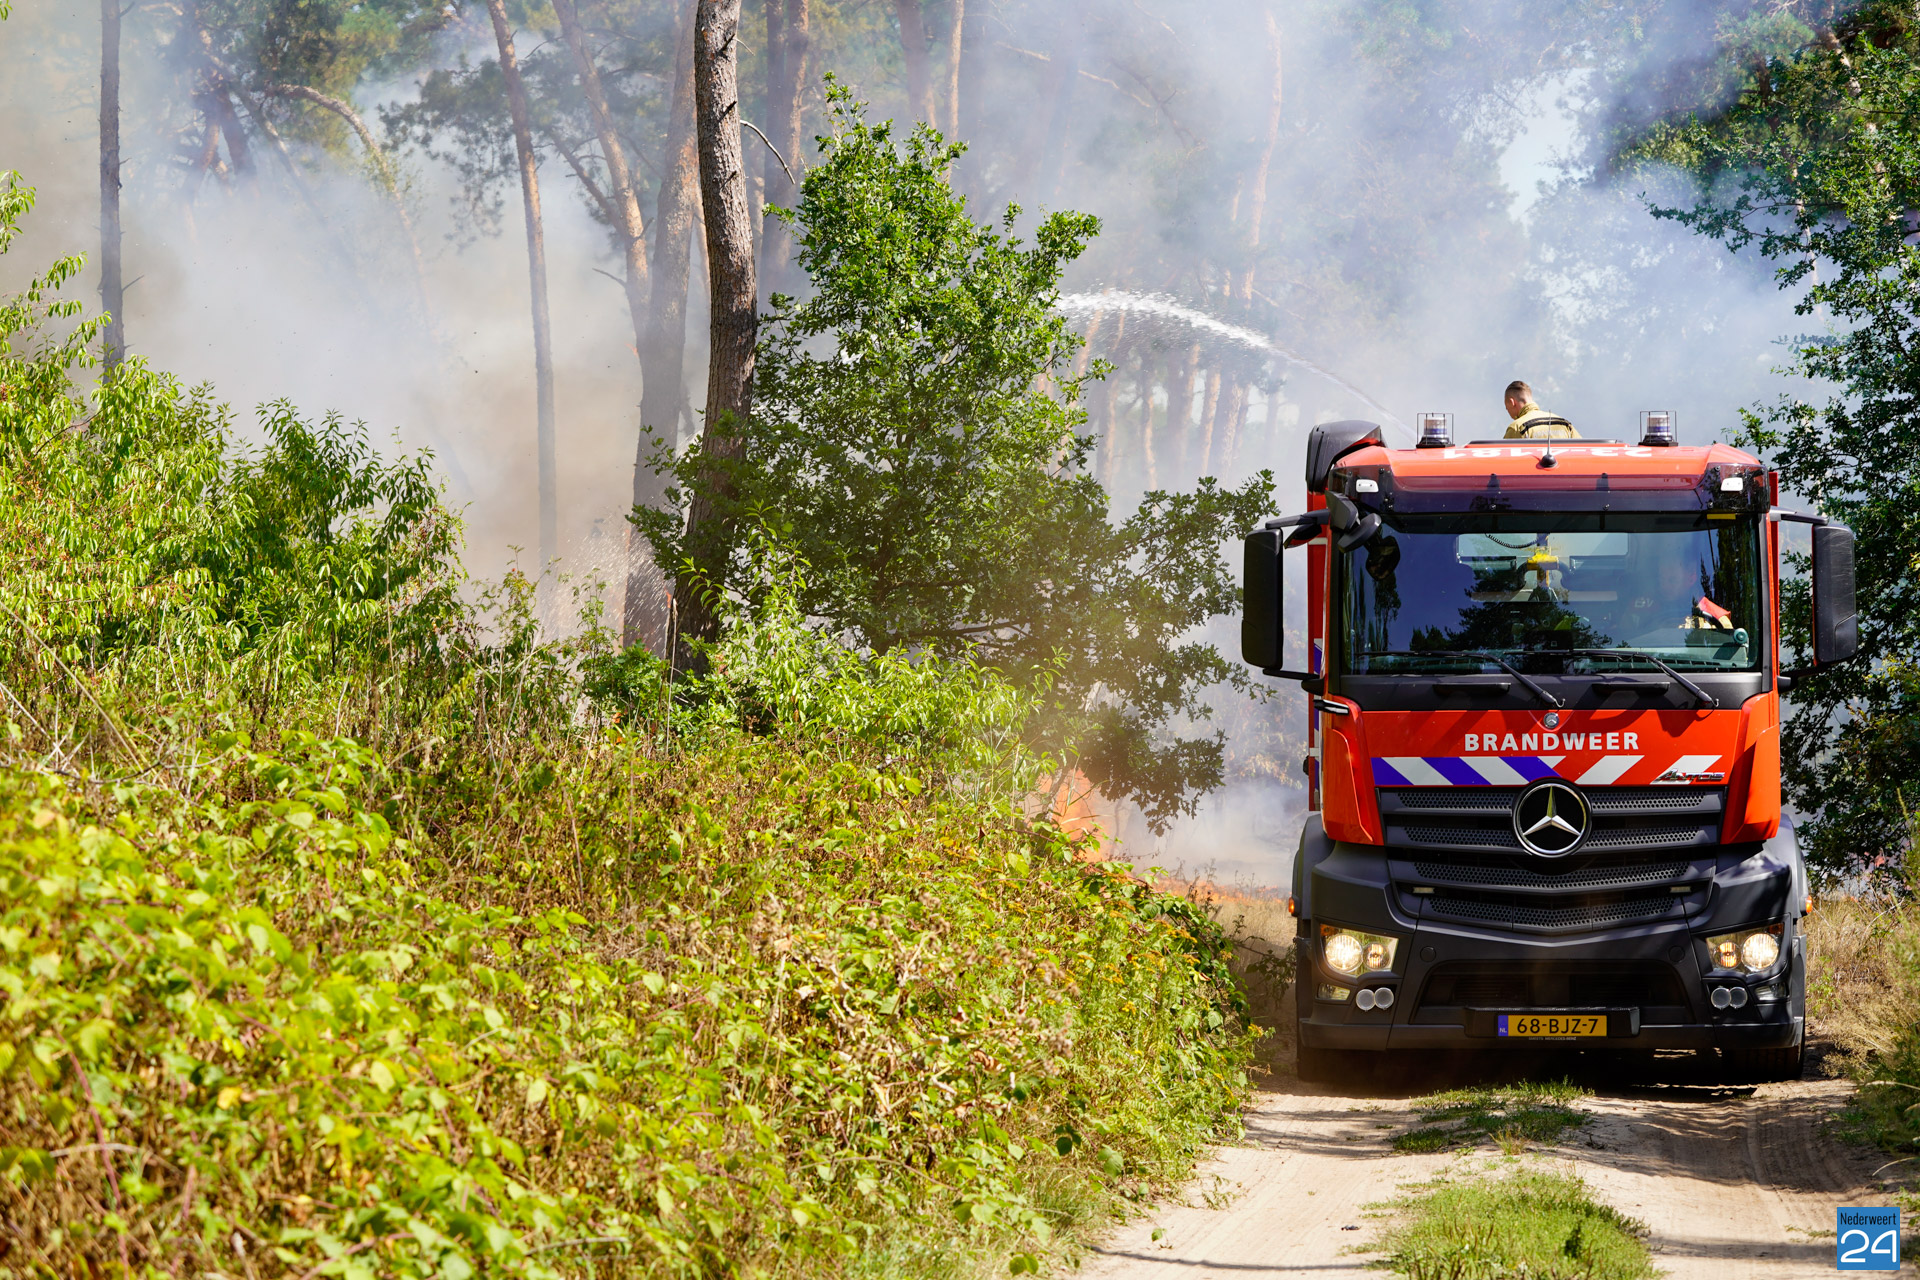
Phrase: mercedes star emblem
(1553,720)
(1551,819)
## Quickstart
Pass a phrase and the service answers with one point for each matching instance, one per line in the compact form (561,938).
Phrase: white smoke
(1421,265)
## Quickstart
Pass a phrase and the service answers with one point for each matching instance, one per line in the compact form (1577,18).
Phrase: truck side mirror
(1262,633)
(1836,628)
(1262,624)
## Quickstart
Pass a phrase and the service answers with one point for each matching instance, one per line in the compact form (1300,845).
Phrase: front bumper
(1555,951)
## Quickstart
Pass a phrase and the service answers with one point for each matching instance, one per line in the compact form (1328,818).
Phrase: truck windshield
(1539,589)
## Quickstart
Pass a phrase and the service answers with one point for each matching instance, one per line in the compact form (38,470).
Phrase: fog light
(1328,991)
(1771,993)
(1363,1000)
(1738,997)
(1721,997)
(1383,998)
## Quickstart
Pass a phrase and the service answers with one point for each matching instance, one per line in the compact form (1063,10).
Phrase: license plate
(1552,1026)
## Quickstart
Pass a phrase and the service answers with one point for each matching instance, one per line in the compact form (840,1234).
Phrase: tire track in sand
(1733,1182)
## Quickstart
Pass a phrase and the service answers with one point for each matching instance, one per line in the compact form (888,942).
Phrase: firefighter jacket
(1535,423)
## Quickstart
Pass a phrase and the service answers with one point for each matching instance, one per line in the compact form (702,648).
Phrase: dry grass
(1863,994)
(1863,983)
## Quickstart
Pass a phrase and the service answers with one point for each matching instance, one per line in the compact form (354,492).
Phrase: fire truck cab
(1543,753)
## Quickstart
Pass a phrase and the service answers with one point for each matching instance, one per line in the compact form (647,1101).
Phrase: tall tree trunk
(1209,410)
(624,199)
(1270,447)
(1084,356)
(648,611)
(1233,413)
(967,71)
(112,292)
(239,153)
(1180,410)
(212,94)
(734,328)
(1146,419)
(1308,398)
(1257,196)
(956,41)
(772,92)
(1063,75)
(536,282)
(785,102)
(913,50)
(1106,407)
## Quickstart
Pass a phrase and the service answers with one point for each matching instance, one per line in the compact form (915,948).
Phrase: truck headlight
(1351,952)
(1749,951)
(1758,951)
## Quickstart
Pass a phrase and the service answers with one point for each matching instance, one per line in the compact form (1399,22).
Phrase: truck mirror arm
(1362,531)
(1312,518)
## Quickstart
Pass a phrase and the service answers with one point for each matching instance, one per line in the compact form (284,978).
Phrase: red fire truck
(1543,760)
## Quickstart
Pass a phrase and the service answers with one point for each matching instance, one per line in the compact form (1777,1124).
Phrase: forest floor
(1731,1181)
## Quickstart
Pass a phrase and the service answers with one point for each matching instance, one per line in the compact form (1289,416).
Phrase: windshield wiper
(1532,688)
(1701,696)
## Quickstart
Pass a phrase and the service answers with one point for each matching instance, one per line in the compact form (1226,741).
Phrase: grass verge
(1511,1116)
(1539,1225)
(1863,993)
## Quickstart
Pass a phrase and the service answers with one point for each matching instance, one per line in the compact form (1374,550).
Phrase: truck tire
(1763,1066)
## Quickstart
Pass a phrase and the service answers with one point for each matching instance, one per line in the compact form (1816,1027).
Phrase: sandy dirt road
(1733,1182)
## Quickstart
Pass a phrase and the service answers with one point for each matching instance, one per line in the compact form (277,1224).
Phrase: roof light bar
(1658,427)
(1436,430)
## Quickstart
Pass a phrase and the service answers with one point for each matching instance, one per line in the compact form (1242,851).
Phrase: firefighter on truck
(1543,677)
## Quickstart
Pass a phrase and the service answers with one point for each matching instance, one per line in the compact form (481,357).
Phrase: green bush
(506,956)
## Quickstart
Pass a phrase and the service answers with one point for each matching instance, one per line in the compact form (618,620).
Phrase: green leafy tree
(914,436)
(1816,166)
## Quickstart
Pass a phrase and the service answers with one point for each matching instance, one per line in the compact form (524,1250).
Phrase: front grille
(1500,798)
(1581,912)
(1607,876)
(1461,835)
(1487,990)
(1650,837)
(1478,819)
(1661,800)
(1485,985)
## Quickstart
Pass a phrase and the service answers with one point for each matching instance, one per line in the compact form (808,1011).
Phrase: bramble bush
(348,927)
